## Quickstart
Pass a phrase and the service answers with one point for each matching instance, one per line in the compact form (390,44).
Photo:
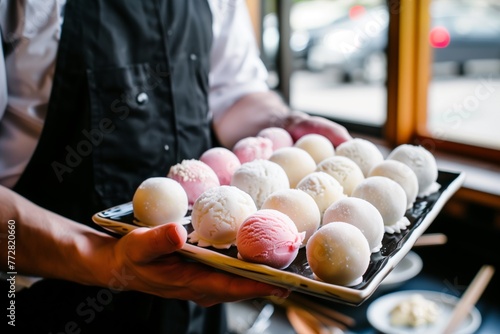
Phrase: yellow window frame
(410,60)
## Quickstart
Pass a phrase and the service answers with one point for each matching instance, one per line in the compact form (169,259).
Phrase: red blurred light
(356,12)
(439,37)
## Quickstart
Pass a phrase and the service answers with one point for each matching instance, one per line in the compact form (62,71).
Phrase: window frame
(408,81)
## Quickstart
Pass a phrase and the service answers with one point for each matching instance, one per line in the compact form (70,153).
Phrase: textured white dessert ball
(363,152)
(344,170)
(360,213)
(422,162)
(402,174)
(388,197)
(338,253)
(323,188)
(260,178)
(159,200)
(299,206)
(318,146)
(295,162)
(218,214)
(278,136)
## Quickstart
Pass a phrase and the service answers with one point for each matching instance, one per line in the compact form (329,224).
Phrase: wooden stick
(470,297)
(335,315)
(431,239)
(329,322)
(302,324)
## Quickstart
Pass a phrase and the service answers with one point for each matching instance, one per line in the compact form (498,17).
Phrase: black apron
(129,100)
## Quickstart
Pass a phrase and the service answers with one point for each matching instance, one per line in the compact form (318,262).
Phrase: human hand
(299,124)
(147,257)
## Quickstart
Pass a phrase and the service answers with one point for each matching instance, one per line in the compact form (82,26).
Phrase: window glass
(464,91)
(339,59)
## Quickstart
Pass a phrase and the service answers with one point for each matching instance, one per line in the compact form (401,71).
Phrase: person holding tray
(95,97)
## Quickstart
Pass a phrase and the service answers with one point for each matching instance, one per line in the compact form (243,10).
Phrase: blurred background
(339,48)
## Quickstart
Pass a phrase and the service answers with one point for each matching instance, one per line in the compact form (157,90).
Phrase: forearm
(257,111)
(249,115)
(51,246)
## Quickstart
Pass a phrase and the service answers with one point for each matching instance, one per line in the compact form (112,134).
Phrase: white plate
(379,314)
(408,268)
(298,276)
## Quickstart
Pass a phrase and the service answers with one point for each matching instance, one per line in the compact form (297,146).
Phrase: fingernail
(281,293)
(173,235)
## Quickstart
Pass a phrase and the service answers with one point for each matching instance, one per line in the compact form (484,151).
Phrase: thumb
(146,245)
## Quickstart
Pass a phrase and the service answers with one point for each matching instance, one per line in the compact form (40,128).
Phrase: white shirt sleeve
(33,27)
(236,67)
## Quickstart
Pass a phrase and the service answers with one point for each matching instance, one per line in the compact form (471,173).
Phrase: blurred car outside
(309,22)
(356,46)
